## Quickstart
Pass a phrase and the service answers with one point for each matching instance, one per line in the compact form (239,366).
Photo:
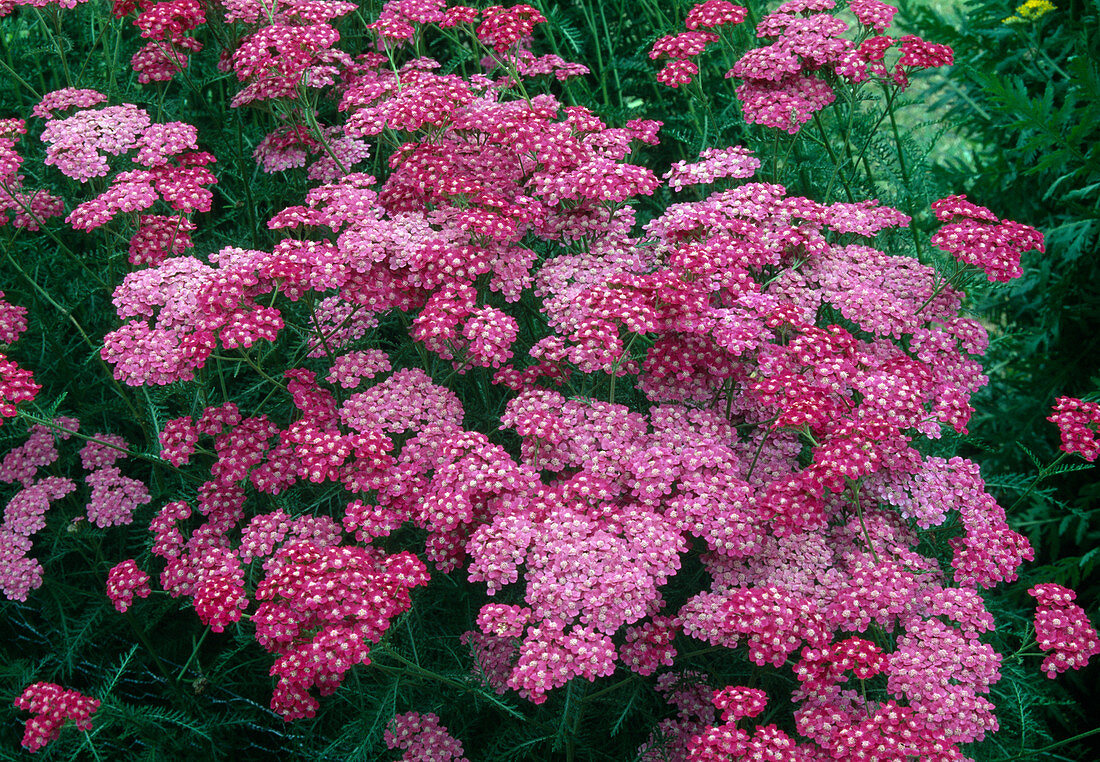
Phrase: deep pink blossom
(1063,629)
(124,581)
(51,705)
(1078,422)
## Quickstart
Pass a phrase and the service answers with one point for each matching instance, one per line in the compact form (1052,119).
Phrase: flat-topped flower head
(975,236)
(1078,422)
(64,99)
(51,705)
(1063,629)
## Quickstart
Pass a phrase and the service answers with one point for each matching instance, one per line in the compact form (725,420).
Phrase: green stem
(417,669)
(194,653)
(1049,747)
(1043,474)
(148,647)
(854,486)
(89,271)
(80,329)
(833,158)
(126,451)
(901,163)
(56,41)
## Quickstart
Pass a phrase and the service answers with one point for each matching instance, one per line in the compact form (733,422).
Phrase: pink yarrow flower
(51,706)
(975,236)
(1078,422)
(1063,629)
(124,581)
(734,161)
(423,738)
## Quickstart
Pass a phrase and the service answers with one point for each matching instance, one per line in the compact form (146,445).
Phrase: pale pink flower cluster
(114,497)
(349,370)
(9,5)
(76,144)
(423,738)
(734,161)
(65,99)
(24,516)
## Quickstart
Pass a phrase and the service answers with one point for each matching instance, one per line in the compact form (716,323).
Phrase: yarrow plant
(478,406)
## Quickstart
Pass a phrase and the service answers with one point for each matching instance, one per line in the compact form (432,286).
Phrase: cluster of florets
(501,29)
(29,207)
(681,48)
(1062,628)
(166,23)
(321,608)
(171,170)
(782,444)
(13,321)
(423,738)
(735,161)
(335,153)
(24,516)
(114,496)
(975,236)
(291,48)
(51,706)
(124,581)
(16,384)
(786,82)
(1078,422)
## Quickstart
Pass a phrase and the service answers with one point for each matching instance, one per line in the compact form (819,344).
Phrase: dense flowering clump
(1063,629)
(76,144)
(712,426)
(320,608)
(1078,422)
(51,706)
(502,28)
(114,497)
(24,516)
(166,23)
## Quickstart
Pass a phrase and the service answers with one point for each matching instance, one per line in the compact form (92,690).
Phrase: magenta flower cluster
(1063,629)
(1078,423)
(51,705)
